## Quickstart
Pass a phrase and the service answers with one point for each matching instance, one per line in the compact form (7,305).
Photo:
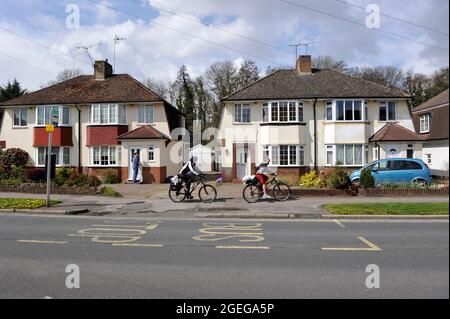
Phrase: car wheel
(355,182)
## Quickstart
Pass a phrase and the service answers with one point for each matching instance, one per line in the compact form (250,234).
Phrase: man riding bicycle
(262,174)
(189,173)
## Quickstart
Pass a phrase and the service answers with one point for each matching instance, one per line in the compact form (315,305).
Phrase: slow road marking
(372,246)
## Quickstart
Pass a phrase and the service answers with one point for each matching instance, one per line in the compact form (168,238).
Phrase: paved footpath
(153,200)
(210,258)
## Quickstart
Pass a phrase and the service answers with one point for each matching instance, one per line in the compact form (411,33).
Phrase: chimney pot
(304,64)
(102,70)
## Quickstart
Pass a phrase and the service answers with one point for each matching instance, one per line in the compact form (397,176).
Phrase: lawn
(388,209)
(23,203)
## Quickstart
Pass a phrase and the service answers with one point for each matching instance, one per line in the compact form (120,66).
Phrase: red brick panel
(291,174)
(154,175)
(2,144)
(62,136)
(104,135)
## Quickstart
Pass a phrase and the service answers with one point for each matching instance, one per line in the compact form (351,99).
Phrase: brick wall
(291,174)
(62,136)
(104,135)
(154,175)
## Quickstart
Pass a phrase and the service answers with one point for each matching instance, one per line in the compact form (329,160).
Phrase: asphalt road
(206,258)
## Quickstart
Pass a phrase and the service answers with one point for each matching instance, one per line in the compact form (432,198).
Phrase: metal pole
(49,163)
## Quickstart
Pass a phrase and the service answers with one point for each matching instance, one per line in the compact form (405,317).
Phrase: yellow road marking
(42,242)
(372,246)
(242,247)
(138,245)
(339,223)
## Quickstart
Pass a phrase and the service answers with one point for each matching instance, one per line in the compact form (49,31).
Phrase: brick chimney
(102,70)
(304,64)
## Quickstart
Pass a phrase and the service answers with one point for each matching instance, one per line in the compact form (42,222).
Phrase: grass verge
(24,203)
(108,191)
(388,209)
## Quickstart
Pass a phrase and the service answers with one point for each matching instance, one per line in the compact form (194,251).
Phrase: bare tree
(328,62)
(64,75)
(159,87)
(384,75)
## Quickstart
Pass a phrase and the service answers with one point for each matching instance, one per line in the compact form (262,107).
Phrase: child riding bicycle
(262,174)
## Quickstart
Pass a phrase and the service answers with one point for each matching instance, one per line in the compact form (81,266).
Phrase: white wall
(439,156)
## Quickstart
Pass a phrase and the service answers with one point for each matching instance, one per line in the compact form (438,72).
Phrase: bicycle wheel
(281,192)
(251,193)
(207,193)
(177,197)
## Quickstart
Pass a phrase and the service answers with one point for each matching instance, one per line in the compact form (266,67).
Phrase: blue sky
(161,35)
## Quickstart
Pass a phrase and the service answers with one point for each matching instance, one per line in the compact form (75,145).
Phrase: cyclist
(262,172)
(188,174)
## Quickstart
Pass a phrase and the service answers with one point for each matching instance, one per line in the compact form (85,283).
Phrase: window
(285,155)
(300,112)
(265,112)
(20,117)
(387,111)
(62,155)
(108,114)
(339,110)
(376,155)
(104,156)
(146,114)
(274,113)
(283,111)
(428,158)
(151,153)
(410,151)
(347,154)
(54,114)
(425,123)
(242,113)
(329,111)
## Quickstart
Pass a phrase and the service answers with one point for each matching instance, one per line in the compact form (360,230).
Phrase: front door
(242,162)
(130,163)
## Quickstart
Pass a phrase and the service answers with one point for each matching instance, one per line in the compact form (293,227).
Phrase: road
(216,258)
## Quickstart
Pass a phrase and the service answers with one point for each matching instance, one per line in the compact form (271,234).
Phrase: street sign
(55,116)
(49,128)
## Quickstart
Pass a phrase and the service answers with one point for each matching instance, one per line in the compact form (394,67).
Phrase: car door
(380,172)
(400,171)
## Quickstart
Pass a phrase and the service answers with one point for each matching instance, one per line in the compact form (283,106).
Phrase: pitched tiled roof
(437,108)
(439,99)
(85,89)
(290,84)
(394,132)
(144,132)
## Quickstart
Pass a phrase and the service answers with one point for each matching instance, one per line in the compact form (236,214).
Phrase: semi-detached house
(307,118)
(102,119)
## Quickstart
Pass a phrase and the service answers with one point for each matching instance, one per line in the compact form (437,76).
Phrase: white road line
(339,223)
(242,247)
(372,247)
(138,245)
(42,242)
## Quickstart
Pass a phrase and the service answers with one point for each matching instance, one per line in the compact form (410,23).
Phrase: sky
(38,38)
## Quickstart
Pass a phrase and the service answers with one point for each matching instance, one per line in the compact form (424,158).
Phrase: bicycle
(178,191)
(253,190)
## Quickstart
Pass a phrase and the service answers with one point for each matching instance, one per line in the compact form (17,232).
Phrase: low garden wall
(404,192)
(42,189)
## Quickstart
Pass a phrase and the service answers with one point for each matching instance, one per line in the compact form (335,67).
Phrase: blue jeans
(135,173)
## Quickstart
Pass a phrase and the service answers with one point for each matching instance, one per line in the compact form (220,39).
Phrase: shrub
(64,175)
(338,178)
(111,176)
(93,181)
(36,175)
(14,156)
(108,191)
(311,180)
(366,179)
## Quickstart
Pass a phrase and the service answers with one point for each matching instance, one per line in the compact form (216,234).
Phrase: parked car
(396,171)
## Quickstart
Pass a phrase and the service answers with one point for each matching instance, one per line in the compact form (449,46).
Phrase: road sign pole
(49,164)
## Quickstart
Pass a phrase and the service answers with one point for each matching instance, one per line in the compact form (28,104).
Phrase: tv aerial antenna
(304,45)
(86,48)
(117,40)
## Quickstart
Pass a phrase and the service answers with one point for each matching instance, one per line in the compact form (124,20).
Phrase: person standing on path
(136,163)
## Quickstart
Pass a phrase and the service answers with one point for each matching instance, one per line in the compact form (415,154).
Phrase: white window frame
(121,109)
(98,149)
(386,105)
(275,105)
(21,111)
(334,110)
(59,159)
(266,109)
(146,120)
(61,109)
(242,106)
(425,123)
(299,150)
(151,149)
(333,148)
(376,153)
(329,105)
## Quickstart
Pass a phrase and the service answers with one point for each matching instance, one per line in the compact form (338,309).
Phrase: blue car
(396,171)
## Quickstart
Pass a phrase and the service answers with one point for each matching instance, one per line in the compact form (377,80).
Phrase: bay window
(282,112)
(104,155)
(62,155)
(285,155)
(265,112)
(242,113)
(347,154)
(329,111)
(346,110)
(108,114)
(387,111)
(20,117)
(52,114)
